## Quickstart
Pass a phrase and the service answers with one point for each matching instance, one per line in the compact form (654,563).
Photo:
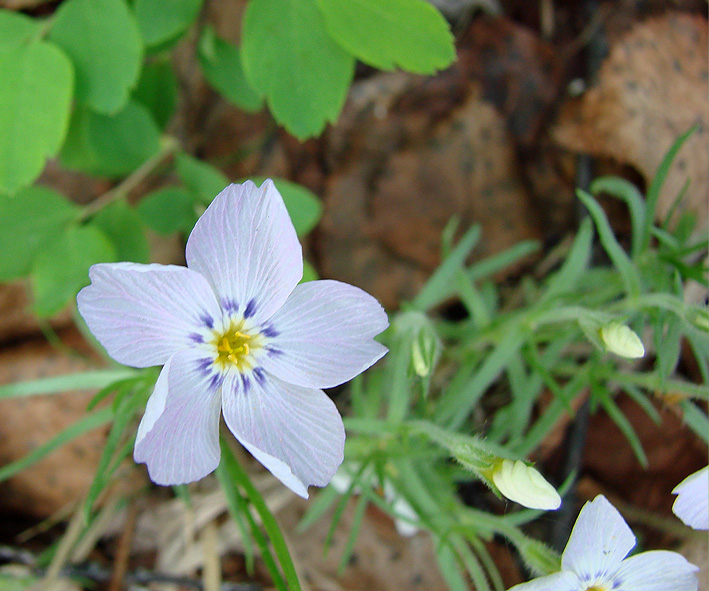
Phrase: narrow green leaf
(622,422)
(157,90)
(222,67)
(628,192)
(111,146)
(388,34)
(103,41)
(269,522)
(290,59)
(615,251)
(696,419)
(35,96)
(83,425)
(576,263)
(203,179)
(436,289)
(30,218)
(160,23)
(122,225)
(653,191)
(168,210)
(16,29)
(88,380)
(61,267)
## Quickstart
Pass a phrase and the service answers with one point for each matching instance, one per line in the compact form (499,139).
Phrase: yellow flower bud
(525,485)
(621,340)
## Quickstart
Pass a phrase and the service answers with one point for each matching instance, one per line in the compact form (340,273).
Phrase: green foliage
(168,210)
(157,90)
(103,41)
(61,267)
(35,93)
(290,59)
(122,226)
(29,220)
(160,23)
(203,180)
(388,34)
(110,145)
(16,29)
(221,64)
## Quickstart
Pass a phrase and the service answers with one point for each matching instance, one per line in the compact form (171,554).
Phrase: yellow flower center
(236,347)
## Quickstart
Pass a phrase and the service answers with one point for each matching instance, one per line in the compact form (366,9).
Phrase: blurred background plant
(479,370)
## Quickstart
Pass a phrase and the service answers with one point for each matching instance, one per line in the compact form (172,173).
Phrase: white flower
(525,485)
(621,340)
(239,337)
(595,559)
(692,502)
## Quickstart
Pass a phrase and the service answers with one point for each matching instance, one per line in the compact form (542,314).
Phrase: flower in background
(595,559)
(524,484)
(237,335)
(622,340)
(692,502)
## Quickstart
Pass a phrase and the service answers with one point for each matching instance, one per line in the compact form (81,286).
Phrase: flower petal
(323,335)
(295,432)
(692,503)
(178,437)
(599,541)
(561,581)
(246,247)
(657,570)
(144,314)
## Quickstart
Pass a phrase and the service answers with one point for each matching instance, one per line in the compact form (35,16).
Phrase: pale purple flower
(595,559)
(237,335)
(692,502)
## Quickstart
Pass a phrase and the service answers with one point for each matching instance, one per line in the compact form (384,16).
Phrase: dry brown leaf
(652,87)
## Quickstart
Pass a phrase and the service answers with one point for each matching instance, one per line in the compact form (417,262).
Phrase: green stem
(123,188)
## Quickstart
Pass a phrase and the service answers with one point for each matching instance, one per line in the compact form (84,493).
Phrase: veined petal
(178,437)
(692,502)
(599,541)
(323,335)
(246,247)
(561,581)
(657,570)
(296,433)
(144,314)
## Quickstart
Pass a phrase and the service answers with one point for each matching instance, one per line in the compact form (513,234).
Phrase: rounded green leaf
(157,90)
(28,219)
(386,34)
(16,29)
(289,58)
(61,268)
(202,179)
(111,146)
(103,41)
(122,226)
(221,64)
(35,97)
(160,21)
(168,210)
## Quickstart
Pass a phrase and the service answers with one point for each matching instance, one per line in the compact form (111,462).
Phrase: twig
(212,569)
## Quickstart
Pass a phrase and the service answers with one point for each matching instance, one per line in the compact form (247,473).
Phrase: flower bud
(525,485)
(417,330)
(621,340)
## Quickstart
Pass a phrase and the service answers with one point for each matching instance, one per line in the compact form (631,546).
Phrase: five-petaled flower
(595,559)
(237,335)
